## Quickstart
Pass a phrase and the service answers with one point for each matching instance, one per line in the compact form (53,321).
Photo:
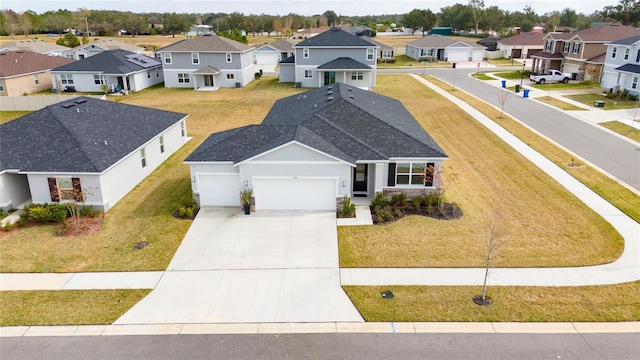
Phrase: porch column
(379,178)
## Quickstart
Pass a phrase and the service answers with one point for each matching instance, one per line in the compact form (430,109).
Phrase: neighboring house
(332,56)
(313,149)
(96,47)
(357,30)
(207,62)
(580,53)
(310,32)
(385,52)
(26,72)
(36,46)
(118,69)
(521,46)
(84,150)
(267,57)
(199,30)
(444,49)
(622,65)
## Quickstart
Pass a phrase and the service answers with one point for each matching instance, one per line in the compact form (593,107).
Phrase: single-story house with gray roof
(84,150)
(444,49)
(118,69)
(313,149)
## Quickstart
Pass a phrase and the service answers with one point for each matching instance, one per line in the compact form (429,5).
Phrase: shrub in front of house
(46,213)
(428,204)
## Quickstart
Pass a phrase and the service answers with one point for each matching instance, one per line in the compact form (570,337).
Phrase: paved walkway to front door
(264,267)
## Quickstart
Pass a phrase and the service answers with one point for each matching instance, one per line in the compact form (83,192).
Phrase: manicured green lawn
(482,76)
(609,104)
(609,303)
(511,75)
(563,86)
(504,62)
(558,103)
(66,307)
(622,129)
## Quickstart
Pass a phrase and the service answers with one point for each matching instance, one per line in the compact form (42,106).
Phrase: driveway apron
(264,267)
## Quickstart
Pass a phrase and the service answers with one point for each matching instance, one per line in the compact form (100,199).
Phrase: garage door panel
(295,194)
(458,56)
(219,190)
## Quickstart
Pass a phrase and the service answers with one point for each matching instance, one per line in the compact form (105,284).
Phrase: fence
(36,102)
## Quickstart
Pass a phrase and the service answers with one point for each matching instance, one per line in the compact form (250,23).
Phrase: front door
(329,77)
(360,175)
(208,80)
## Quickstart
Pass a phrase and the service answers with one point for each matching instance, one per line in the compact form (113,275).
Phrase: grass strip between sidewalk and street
(606,303)
(619,196)
(562,105)
(66,307)
(622,129)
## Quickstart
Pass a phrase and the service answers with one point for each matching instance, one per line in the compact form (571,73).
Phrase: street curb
(322,328)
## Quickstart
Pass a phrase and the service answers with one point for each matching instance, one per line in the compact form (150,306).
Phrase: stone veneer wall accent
(339,203)
(410,192)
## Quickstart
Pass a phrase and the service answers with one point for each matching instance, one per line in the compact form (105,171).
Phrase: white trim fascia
(207,162)
(371,161)
(216,174)
(60,173)
(295,162)
(397,159)
(288,144)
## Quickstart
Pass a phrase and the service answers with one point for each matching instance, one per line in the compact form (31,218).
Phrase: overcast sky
(302,7)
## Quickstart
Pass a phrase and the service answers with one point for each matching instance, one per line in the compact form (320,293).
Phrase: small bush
(399,199)
(88,211)
(348,209)
(46,213)
(8,226)
(380,201)
(22,221)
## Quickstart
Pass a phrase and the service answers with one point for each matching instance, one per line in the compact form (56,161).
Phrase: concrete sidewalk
(624,269)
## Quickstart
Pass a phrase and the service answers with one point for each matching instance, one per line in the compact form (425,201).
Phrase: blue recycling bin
(504,83)
(525,93)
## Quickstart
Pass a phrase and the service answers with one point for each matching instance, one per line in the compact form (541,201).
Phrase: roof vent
(81,101)
(348,89)
(351,96)
(77,110)
(68,105)
(329,92)
(329,98)
(329,87)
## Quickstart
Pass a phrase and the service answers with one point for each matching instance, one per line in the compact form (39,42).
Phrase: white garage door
(266,59)
(219,190)
(295,194)
(456,56)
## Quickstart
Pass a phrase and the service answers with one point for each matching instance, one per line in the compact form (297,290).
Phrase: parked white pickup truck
(550,76)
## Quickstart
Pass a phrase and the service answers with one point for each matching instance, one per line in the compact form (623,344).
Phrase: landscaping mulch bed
(85,226)
(449,212)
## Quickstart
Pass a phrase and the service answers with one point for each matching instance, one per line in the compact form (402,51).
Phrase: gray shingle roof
(334,37)
(431,41)
(290,60)
(632,68)
(338,119)
(344,63)
(212,43)
(111,62)
(281,44)
(627,41)
(80,135)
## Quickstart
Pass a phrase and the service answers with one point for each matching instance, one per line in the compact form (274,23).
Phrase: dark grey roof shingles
(109,62)
(344,63)
(632,68)
(627,41)
(354,125)
(88,136)
(334,37)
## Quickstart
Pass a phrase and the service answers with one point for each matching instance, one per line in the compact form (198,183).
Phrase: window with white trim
(308,74)
(229,58)
(183,78)
(305,53)
(98,80)
(231,76)
(161,144)
(157,72)
(148,74)
(634,82)
(195,58)
(387,54)
(370,54)
(614,51)
(1,85)
(143,158)
(36,79)
(65,189)
(415,174)
(576,48)
(566,47)
(357,75)
(182,132)
(66,78)
(626,53)
(547,45)
(167,58)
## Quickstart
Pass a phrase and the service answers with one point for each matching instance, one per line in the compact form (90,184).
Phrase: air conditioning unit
(238,85)
(298,85)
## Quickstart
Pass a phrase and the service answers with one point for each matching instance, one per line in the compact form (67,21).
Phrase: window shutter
(77,189)
(53,189)
(391,180)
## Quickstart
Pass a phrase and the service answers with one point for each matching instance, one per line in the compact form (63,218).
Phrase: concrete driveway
(265,267)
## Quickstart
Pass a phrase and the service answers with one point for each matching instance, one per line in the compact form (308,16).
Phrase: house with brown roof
(521,46)
(36,46)
(581,53)
(25,72)
(207,62)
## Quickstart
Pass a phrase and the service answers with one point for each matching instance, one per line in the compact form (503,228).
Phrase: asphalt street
(327,346)
(614,155)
